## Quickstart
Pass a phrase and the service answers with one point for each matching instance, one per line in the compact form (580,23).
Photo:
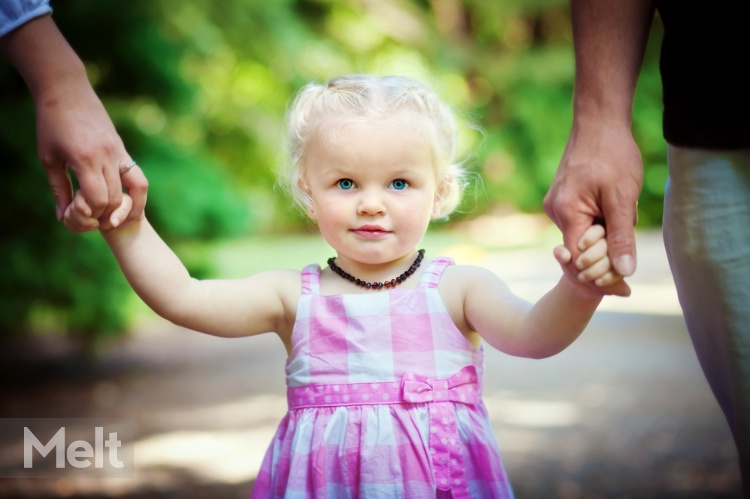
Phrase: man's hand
(598,181)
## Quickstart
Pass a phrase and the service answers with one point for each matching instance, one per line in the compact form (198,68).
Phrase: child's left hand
(593,264)
(78,217)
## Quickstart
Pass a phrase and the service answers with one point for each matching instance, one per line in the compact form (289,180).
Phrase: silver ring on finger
(126,168)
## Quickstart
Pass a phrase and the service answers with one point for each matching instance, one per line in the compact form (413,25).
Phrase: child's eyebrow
(338,171)
(405,171)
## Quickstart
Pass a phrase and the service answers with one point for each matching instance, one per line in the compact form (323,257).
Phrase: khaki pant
(707,238)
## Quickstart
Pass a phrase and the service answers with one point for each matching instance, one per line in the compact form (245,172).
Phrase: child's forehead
(331,129)
(387,139)
(377,138)
(363,148)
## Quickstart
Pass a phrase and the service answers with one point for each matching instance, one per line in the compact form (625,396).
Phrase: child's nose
(371,203)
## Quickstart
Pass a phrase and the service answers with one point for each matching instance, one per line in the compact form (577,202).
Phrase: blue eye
(346,184)
(399,184)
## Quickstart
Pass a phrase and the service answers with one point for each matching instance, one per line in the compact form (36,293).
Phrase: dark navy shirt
(705,69)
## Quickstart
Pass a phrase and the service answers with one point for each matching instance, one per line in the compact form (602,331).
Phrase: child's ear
(440,194)
(436,209)
(308,199)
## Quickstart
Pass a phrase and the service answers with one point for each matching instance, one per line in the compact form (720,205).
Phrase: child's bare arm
(240,307)
(552,323)
(517,327)
(222,307)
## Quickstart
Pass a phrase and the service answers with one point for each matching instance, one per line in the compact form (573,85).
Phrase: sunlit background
(197,90)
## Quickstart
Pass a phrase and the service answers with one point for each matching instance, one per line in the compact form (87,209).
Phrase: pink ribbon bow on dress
(461,388)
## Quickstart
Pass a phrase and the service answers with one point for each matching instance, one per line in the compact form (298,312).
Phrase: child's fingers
(562,255)
(608,279)
(592,235)
(596,270)
(77,216)
(593,254)
(77,224)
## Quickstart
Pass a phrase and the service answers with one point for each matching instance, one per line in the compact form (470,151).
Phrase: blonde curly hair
(365,99)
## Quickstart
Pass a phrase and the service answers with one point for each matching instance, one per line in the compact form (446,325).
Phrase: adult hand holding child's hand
(594,275)
(79,217)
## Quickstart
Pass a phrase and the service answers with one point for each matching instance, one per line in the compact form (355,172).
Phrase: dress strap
(433,272)
(311,279)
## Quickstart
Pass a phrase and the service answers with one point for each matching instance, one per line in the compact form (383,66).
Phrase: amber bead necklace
(378,285)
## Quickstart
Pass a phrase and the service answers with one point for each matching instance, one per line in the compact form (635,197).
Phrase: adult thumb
(122,211)
(61,187)
(621,238)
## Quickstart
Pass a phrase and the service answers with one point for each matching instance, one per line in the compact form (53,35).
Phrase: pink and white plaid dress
(384,398)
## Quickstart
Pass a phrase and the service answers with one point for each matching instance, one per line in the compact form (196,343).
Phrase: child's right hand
(78,217)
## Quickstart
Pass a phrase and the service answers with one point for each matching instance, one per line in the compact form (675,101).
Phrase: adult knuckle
(559,208)
(140,186)
(82,155)
(47,160)
(109,147)
(97,203)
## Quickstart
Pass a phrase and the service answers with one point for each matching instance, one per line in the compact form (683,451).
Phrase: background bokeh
(197,90)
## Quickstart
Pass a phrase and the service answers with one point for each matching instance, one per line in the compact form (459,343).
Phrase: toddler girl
(385,361)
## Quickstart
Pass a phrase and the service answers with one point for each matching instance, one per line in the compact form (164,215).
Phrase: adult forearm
(610,38)
(43,57)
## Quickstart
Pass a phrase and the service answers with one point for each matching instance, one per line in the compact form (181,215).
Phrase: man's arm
(601,171)
(609,38)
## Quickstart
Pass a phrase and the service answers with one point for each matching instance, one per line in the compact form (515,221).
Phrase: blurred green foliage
(198,89)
